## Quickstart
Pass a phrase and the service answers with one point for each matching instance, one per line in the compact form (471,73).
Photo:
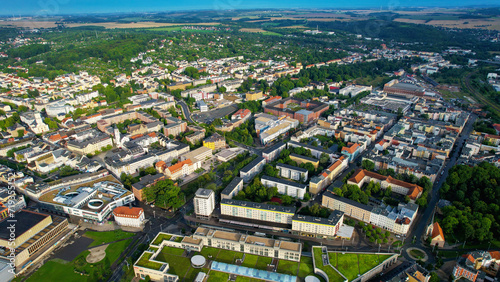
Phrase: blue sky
(55,7)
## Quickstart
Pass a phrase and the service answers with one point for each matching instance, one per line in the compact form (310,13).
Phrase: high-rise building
(204,203)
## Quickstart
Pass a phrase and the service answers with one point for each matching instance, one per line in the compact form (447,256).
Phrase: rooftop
(260,206)
(28,219)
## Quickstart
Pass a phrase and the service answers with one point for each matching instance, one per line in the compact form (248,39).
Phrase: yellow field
(29,24)
(252,30)
(491,24)
(112,25)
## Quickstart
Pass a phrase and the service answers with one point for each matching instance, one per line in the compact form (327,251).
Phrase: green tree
(368,165)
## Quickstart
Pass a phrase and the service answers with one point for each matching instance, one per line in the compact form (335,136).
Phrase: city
(339,144)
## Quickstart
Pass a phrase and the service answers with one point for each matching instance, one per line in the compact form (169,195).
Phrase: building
(326,177)
(90,145)
(273,152)
(285,187)
(202,106)
(269,128)
(90,202)
(316,151)
(292,172)
(146,181)
(351,151)
(316,226)
(201,154)
(303,159)
(232,189)
(257,211)
(354,90)
(304,111)
(254,95)
(477,266)
(182,168)
(362,176)
(215,142)
(349,207)
(129,216)
(204,203)
(436,235)
(252,169)
(33,233)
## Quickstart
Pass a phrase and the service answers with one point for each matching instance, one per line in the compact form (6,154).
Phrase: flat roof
(305,158)
(273,148)
(348,201)
(252,164)
(227,235)
(201,192)
(284,181)
(230,187)
(260,206)
(310,147)
(291,167)
(25,221)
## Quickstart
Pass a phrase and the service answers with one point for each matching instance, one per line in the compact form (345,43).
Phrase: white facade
(285,187)
(204,202)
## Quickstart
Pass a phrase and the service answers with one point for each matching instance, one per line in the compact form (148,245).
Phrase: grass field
(258,30)
(305,267)
(144,262)
(110,25)
(417,254)
(106,237)
(348,265)
(209,252)
(250,260)
(226,256)
(288,267)
(262,263)
(367,262)
(161,238)
(54,270)
(216,276)
(172,251)
(333,275)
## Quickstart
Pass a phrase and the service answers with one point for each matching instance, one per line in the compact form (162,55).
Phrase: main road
(185,110)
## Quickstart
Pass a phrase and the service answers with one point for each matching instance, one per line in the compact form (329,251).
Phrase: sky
(57,7)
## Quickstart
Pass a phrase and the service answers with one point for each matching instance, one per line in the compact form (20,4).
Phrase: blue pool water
(252,272)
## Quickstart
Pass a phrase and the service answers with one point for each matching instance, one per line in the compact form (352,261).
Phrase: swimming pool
(252,272)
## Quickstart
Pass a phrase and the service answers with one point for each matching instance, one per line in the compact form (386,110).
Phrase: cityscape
(250,141)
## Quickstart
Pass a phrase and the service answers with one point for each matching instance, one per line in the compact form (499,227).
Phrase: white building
(204,202)
(257,211)
(292,172)
(129,216)
(285,187)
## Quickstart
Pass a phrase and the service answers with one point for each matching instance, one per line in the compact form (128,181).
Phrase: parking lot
(210,116)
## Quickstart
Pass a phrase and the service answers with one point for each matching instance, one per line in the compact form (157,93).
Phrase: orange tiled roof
(160,164)
(495,254)
(176,167)
(351,149)
(128,211)
(437,231)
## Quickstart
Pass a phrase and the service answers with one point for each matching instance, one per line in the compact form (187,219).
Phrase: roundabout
(417,254)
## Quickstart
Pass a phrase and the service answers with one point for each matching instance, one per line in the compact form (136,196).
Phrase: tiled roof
(125,211)
(437,231)
(176,167)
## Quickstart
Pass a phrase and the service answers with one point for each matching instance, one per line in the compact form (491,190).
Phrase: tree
(324,158)
(269,170)
(222,89)
(434,277)
(368,165)
(20,133)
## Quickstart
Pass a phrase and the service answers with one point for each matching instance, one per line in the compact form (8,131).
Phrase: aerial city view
(224,140)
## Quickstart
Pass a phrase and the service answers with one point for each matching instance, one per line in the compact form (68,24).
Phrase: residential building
(477,266)
(204,203)
(254,95)
(202,106)
(362,176)
(351,151)
(232,189)
(182,169)
(303,159)
(146,181)
(285,187)
(320,182)
(309,110)
(292,172)
(257,211)
(273,152)
(318,227)
(201,154)
(129,216)
(215,142)
(252,169)
(436,234)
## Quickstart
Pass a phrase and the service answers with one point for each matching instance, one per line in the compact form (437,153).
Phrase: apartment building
(362,176)
(257,211)
(292,172)
(201,154)
(215,142)
(252,169)
(129,216)
(273,152)
(232,189)
(90,145)
(182,168)
(303,159)
(326,177)
(204,203)
(316,226)
(285,187)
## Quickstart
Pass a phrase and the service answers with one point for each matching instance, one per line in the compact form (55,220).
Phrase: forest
(475,196)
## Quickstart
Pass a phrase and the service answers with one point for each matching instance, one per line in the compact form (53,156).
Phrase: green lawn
(367,262)
(247,279)
(250,260)
(306,266)
(226,256)
(177,265)
(397,244)
(192,273)
(333,258)
(216,276)
(160,238)
(288,267)
(417,254)
(262,262)
(106,237)
(51,271)
(178,239)
(172,251)
(209,252)
(144,262)
(54,270)
(333,275)
(348,265)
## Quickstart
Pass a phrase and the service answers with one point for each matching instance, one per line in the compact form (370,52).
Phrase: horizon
(38,8)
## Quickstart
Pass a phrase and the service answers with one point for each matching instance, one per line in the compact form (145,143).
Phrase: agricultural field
(113,25)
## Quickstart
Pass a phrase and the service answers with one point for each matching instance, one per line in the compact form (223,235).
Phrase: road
(420,224)
(185,110)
